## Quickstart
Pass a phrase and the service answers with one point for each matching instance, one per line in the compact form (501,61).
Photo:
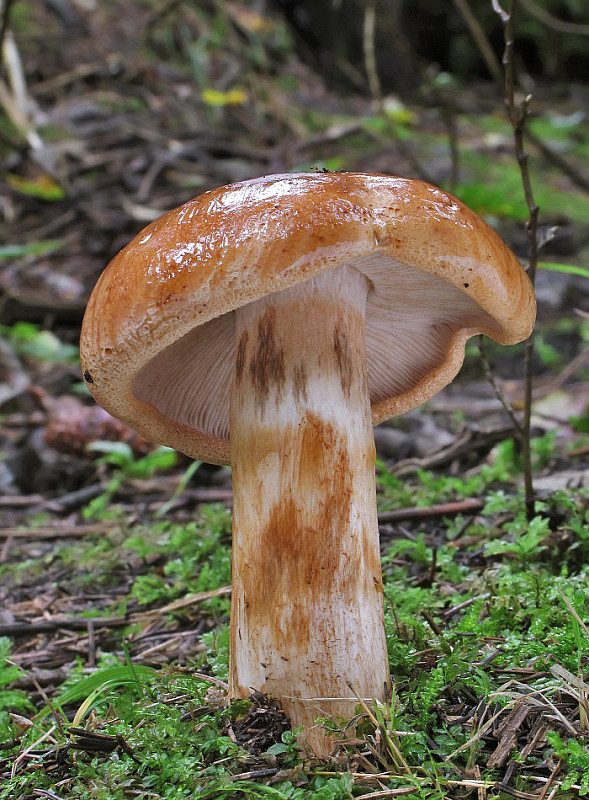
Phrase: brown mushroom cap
(158,338)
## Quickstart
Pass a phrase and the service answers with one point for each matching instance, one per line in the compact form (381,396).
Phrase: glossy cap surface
(158,338)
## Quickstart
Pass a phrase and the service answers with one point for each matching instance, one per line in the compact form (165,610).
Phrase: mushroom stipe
(269,324)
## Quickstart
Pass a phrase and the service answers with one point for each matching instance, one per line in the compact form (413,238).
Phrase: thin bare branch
(560,25)
(4,19)
(518,115)
(482,42)
(509,409)
(370,63)
(570,170)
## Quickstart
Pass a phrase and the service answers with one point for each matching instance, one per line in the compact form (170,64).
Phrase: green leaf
(212,97)
(89,689)
(43,345)
(32,249)
(118,454)
(570,269)
(43,187)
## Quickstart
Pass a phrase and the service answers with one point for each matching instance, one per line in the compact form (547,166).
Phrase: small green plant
(11,700)
(580,422)
(575,754)
(33,342)
(526,539)
(120,456)
(197,558)
(94,689)
(549,355)
(579,526)
(288,749)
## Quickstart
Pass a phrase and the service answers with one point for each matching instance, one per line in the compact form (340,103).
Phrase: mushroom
(269,324)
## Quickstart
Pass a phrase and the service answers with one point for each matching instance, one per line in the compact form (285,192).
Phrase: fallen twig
(467,506)
(508,732)
(254,774)
(55,532)
(467,441)
(570,170)
(71,624)
(20,501)
(183,602)
(391,792)
(455,609)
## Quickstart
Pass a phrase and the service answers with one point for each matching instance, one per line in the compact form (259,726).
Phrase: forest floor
(115,554)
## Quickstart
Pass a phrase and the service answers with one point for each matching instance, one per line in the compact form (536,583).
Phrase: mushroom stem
(307,608)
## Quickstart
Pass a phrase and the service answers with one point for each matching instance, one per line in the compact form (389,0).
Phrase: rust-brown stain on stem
(266,368)
(299,551)
(344,359)
(300,383)
(240,356)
